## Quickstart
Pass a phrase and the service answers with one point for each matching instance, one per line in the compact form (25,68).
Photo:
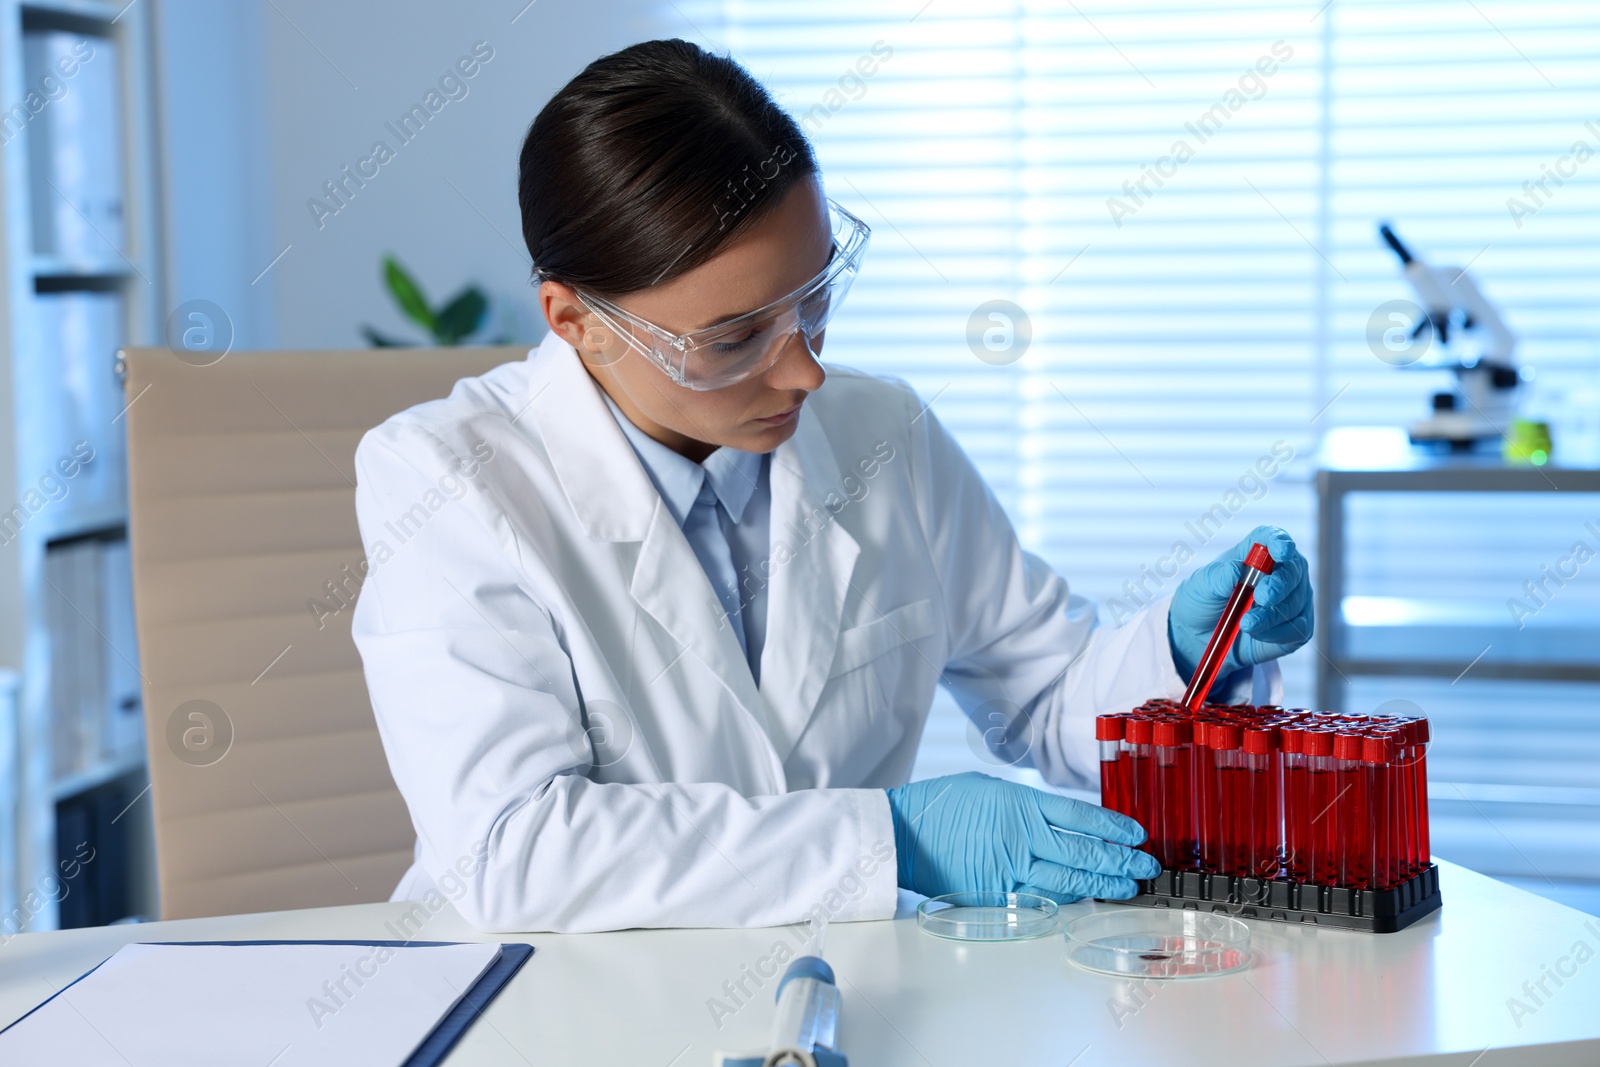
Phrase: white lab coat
(555,686)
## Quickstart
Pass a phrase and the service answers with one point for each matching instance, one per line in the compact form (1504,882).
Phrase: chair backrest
(267,774)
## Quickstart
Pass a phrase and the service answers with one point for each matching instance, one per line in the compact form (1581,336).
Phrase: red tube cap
(1347,745)
(1173,732)
(1259,741)
(1138,732)
(1378,748)
(1259,558)
(1318,743)
(1293,740)
(1109,727)
(1225,735)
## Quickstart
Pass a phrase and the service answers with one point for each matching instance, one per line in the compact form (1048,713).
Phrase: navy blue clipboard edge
(441,1039)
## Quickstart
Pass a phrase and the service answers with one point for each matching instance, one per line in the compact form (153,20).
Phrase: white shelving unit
(81,274)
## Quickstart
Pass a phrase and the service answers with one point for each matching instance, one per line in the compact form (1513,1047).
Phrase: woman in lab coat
(654,617)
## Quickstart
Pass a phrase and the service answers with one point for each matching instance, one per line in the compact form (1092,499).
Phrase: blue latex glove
(1277,624)
(973,832)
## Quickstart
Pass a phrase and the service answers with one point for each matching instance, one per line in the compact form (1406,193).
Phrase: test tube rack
(1281,814)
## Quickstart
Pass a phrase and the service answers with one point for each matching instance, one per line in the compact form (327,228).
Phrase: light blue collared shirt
(744,495)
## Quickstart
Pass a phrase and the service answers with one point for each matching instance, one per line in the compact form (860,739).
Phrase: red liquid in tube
(1233,797)
(1261,760)
(1355,819)
(1377,751)
(1141,764)
(1208,807)
(1419,789)
(1175,783)
(1398,733)
(1108,731)
(1400,801)
(1322,778)
(1257,564)
(1296,806)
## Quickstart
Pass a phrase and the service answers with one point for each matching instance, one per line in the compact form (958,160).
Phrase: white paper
(251,1006)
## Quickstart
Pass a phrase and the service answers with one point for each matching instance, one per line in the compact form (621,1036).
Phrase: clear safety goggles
(734,350)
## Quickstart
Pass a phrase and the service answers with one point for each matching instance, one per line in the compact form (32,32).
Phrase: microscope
(1484,400)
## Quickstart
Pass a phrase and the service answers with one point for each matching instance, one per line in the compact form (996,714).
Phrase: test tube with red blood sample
(1296,805)
(1378,752)
(1260,757)
(1420,735)
(1322,789)
(1400,799)
(1354,807)
(1257,564)
(1108,731)
(1411,795)
(1233,797)
(1207,803)
(1174,760)
(1141,776)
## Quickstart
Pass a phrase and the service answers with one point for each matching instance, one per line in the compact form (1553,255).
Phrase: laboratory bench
(1438,992)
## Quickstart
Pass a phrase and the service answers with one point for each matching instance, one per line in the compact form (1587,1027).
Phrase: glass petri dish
(987,916)
(1158,943)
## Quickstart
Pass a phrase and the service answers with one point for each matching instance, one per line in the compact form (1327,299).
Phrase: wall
(212,90)
(266,102)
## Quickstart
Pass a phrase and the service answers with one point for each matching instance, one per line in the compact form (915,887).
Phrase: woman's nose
(799,364)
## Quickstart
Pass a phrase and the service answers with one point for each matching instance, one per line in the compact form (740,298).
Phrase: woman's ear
(566,316)
(577,325)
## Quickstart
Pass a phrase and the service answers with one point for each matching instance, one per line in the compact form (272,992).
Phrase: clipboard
(439,1041)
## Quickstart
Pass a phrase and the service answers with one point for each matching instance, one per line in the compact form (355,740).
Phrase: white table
(1438,990)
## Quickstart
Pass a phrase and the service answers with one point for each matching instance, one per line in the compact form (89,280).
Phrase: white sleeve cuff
(875,863)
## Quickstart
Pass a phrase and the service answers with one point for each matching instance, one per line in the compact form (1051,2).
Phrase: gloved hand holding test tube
(1257,565)
(1276,622)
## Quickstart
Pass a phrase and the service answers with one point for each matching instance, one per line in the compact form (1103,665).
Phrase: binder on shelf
(96,713)
(75,147)
(122,704)
(75,451)
(327,1001)
(72,600)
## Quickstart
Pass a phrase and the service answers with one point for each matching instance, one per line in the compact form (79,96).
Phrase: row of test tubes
(1271,792)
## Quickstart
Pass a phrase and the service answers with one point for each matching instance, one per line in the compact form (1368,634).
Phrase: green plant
(458,319)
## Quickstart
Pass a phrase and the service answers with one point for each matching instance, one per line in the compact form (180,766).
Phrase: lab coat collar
(676,477)
(611,497)
(809,571)
(733,474)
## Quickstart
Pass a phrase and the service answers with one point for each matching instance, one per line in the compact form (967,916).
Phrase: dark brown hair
(650,161)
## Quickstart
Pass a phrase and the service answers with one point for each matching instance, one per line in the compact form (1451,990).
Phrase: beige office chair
(269,781)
